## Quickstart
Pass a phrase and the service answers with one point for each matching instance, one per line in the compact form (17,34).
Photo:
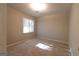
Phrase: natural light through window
(43,46)
(28,25)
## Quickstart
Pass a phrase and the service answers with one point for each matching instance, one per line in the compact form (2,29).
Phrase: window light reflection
(43,46)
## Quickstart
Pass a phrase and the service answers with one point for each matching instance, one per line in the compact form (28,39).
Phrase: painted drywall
(3,28)
(54,26)
(14,22)
(74,30)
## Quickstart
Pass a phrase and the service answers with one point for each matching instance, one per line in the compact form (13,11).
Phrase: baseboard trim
(66,43)
(15,43)
(63,42)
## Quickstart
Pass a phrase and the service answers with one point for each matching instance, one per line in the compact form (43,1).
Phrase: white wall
(55,26)
(3,29)
(74,30)
(14,21)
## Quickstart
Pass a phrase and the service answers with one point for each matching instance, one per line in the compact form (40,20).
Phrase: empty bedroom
(38,29)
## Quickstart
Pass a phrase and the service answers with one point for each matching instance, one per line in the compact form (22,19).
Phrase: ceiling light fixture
(38,6)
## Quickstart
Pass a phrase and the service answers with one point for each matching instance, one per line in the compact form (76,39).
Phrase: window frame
(29,27)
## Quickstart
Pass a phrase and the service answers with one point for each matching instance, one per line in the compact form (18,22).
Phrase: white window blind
(28,25)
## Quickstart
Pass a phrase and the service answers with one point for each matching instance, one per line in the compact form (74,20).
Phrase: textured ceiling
(51,8)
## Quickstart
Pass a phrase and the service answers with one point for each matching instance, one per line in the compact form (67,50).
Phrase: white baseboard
(39,38)
(15,43)
(63,42)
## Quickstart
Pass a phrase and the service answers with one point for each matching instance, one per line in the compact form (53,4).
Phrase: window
(28,25)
